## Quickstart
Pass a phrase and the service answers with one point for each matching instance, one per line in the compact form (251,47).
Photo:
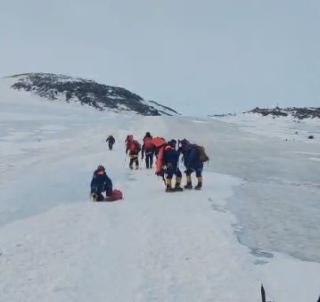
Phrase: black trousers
(149,160)
(134,159)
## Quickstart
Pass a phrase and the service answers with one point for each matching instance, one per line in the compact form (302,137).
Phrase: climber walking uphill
(167,164)
(101,183)
(110,140)
(133,147)
(148,150)
(193,157)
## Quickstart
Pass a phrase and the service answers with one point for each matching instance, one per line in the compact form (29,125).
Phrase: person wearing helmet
(110,140)
(100,183)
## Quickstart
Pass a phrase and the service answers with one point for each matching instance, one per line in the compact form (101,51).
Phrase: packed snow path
(152,246)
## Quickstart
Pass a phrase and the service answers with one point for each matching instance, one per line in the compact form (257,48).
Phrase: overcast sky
(199,56)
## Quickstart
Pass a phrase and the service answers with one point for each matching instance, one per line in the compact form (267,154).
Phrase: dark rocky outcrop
(299,113)
(88,92)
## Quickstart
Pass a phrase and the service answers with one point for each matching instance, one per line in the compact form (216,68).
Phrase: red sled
(116,195)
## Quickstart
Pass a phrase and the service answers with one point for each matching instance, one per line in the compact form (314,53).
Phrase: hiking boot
(178,188)
(188,186)
(168,185)
(94,197)
(199,185)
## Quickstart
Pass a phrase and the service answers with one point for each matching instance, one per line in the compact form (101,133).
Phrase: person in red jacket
(148,149)
(133,148)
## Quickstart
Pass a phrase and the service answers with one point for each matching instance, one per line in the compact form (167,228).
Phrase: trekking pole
(125,160)
(164,180)
(263,294)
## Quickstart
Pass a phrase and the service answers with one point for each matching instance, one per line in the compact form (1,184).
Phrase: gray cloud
(200,56)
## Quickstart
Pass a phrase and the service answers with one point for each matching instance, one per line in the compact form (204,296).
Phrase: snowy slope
(57,246)
(284,127)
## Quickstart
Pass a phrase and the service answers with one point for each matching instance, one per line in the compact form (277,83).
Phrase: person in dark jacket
(167,163)
(100,183)
(110,140)
(192,163)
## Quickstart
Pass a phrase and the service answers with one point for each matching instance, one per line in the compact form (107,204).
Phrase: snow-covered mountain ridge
(87,92)
(295,112)
(288,124)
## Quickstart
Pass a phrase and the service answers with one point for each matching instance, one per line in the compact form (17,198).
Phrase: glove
(159,173)
(93,195)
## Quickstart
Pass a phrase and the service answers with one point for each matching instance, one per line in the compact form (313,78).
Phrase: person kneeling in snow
(100,183)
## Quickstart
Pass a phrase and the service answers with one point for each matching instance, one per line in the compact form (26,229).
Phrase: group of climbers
(193,157)
(167,155)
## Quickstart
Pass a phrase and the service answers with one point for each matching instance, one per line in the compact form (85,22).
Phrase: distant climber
(111,141)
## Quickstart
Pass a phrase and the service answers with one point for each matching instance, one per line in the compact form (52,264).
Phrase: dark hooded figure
(100,183)
(110,140)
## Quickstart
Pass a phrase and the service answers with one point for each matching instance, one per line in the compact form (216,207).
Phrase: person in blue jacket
(169,161)
(192,163)
(100,183)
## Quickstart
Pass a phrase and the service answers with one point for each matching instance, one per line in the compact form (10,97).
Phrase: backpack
(148,145)
(203,157)
(135,146)
(159,162)
(158,141)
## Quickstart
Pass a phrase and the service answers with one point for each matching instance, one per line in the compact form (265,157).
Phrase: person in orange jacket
(167,164)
